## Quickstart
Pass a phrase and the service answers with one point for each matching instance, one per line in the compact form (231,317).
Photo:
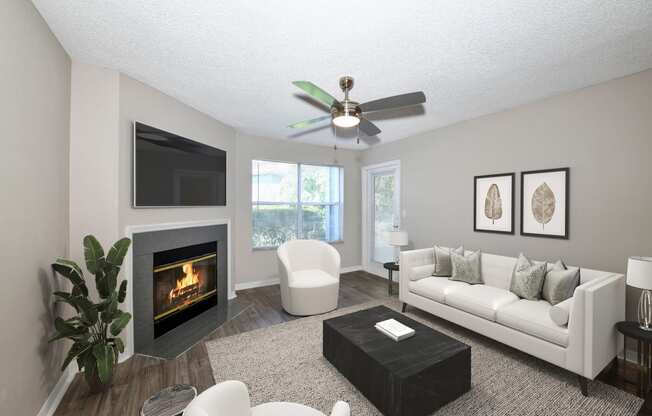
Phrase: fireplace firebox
(185,284)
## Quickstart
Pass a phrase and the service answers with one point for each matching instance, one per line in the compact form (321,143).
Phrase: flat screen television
(173,171)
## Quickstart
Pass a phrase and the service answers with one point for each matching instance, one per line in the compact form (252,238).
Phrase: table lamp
(398,239)
(639,274)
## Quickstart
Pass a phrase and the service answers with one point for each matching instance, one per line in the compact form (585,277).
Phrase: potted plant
(96,326)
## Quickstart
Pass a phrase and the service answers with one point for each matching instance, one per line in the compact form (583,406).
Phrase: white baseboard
(350,269)
(257,283)
(59,390)
(276,280)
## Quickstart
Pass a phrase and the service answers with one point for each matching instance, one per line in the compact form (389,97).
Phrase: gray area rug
(284,363)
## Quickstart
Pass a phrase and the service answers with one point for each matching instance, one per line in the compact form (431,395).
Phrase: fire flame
(190,279)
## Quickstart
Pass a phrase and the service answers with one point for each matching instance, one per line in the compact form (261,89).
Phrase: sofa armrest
(410,259)
(593,340)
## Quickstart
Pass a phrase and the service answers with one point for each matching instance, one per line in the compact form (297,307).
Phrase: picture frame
(493,203)
(545,203)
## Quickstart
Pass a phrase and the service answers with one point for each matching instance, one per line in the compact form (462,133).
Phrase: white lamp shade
(639,272)
(397,238)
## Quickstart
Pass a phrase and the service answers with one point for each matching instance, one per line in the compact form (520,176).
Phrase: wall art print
(545,203)
(493,209)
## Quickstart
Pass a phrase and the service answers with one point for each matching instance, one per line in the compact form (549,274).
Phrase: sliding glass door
(381,212)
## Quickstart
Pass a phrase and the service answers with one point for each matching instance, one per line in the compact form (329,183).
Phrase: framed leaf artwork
(545,203)
(493,210)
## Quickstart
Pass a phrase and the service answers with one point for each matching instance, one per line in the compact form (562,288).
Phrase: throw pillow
(527,279)
(466,268)
(560,313)
(443,267)
(560,283)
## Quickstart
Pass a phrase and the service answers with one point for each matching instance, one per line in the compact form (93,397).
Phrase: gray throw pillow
(466,268)
(527,279)
(560,283)
(443,266)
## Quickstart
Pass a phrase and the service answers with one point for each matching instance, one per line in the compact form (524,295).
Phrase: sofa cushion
(533,318)
(560,313)
(421,272)
(497,270)
(480,300)
(435,288)
(312,278)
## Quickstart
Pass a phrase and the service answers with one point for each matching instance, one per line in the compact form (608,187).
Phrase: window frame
(299,203)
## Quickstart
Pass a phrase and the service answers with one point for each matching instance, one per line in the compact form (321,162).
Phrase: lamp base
(645,310)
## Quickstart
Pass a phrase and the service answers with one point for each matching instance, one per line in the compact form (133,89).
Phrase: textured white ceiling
(235,59)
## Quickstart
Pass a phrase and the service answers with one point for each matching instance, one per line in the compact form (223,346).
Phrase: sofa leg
(404,308)
(584,386)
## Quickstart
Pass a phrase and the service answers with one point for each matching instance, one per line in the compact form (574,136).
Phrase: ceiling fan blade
(402,100)
(317,93)
(368,128)
(306,123)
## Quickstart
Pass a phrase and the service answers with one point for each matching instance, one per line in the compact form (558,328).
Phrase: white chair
(310,277)
(231,398)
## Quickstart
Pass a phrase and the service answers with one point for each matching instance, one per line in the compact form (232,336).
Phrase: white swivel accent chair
(310,277)
(231,398)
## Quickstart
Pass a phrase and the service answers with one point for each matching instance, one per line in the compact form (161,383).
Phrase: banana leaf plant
(96,326)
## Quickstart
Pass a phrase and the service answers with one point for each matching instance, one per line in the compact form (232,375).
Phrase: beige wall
(256,265)
(35,109)
(94,114)
(142,103)
(603,133)
(139,102)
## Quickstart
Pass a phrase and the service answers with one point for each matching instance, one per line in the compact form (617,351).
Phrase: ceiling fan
(348,113)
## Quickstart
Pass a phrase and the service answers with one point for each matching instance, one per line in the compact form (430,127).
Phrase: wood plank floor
(139,377)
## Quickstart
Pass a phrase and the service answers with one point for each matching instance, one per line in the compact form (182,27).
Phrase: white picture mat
(557,183)
(506,189)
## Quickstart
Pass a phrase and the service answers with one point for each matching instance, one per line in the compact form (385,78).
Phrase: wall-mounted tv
(173,171)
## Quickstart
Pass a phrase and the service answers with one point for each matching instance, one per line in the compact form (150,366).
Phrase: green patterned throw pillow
(560,283)
(527,279)
(466,268)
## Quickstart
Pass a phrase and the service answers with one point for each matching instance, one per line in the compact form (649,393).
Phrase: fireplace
(185,284)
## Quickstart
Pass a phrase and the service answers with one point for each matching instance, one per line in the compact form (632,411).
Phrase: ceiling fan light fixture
(346,121)
(347,116)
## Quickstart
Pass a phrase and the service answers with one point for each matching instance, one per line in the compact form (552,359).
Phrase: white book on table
(394,329)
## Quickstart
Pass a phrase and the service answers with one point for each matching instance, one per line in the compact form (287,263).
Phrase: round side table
(171,401)
(391,267)
(631,329)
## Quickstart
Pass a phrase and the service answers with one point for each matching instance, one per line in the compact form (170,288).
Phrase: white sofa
(310,277)
(585,346)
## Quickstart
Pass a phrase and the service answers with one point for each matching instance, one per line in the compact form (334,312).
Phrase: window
(293,200)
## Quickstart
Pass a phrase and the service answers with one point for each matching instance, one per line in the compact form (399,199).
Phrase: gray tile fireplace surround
(179,339)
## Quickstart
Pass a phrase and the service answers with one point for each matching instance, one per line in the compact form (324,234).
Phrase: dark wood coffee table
(413,377)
